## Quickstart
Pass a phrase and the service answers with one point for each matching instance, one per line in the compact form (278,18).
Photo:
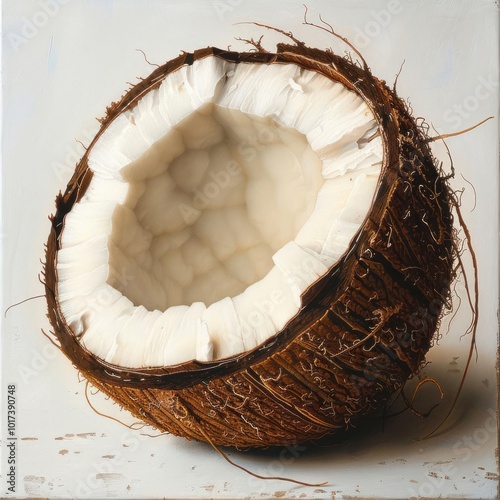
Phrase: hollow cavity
(205,224)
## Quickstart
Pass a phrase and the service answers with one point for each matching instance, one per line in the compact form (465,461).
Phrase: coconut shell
(364,328)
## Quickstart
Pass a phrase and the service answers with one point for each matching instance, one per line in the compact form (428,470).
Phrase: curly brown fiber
(364,327)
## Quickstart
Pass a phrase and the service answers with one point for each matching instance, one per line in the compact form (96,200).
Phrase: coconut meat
(216,201)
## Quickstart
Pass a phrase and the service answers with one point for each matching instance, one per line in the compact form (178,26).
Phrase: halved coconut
(255,249)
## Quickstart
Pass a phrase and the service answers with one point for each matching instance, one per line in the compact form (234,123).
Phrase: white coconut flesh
(215,203)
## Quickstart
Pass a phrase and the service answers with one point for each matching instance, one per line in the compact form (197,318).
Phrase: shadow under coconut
(398,435)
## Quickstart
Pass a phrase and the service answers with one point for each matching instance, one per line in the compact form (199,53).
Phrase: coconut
(256,248)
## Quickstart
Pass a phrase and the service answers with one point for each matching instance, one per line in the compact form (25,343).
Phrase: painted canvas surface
(63,62)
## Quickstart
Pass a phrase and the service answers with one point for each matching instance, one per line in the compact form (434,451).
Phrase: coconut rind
(364,327)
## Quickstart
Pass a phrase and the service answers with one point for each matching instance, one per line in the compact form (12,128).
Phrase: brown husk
(364,327)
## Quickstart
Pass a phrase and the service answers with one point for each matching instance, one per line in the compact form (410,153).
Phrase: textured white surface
(208,217)
(67,68)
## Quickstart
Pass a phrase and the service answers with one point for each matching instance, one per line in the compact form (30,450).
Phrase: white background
(63,62)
